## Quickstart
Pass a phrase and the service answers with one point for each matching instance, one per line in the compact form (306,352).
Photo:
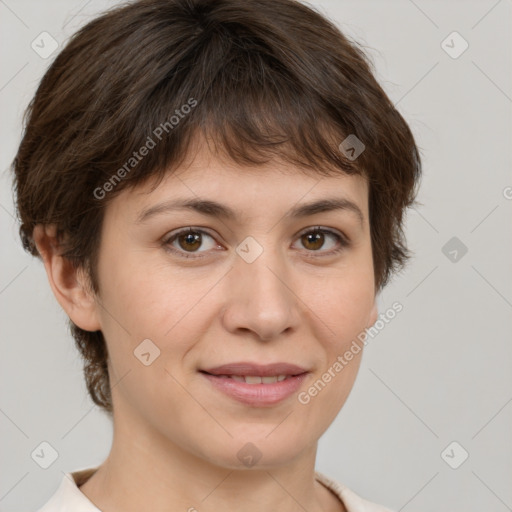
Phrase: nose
(260,298)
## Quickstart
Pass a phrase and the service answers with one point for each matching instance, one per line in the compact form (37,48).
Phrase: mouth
(256,385)
(247,369)
(256,379)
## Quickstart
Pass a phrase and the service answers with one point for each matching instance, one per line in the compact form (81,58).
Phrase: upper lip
(245,368)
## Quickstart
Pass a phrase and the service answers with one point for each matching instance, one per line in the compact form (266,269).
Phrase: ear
(68,283)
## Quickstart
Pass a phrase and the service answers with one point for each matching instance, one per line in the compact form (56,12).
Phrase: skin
(176,438)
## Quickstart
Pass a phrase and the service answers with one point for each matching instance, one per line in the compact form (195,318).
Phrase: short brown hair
(262,78)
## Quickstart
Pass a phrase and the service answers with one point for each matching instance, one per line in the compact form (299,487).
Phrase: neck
(144,470)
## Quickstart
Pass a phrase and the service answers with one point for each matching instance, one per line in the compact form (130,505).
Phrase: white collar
(69,497)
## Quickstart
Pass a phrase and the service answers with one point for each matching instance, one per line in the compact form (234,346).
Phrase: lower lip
(257,395)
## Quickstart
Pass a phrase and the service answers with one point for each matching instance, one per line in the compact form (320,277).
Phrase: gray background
(438,373)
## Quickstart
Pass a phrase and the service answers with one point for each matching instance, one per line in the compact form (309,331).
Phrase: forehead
(247,191)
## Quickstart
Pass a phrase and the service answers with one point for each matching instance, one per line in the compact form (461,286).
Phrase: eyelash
(343,242)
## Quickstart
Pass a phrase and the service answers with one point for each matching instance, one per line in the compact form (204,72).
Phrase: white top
(68,496)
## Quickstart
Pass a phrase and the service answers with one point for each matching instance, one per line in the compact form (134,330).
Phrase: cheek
(343,305)
(144,301)
(325,396)
(137,292)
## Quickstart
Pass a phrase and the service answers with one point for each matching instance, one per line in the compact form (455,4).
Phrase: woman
(216,189)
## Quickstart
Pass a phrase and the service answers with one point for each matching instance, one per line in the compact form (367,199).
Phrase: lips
(254,384)
(253,391)
(246,369)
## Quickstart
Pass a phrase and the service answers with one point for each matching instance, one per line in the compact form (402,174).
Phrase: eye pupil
(190,238)
(314,238)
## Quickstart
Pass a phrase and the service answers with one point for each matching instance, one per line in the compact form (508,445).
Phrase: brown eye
(317,238)
(189,241)
(313,240)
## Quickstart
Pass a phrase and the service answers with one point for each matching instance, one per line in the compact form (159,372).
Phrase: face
(204,290)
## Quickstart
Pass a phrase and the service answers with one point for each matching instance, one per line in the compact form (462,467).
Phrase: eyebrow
(215,209)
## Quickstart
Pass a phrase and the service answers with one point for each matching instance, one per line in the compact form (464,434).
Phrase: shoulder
(352,501)
(68,496)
